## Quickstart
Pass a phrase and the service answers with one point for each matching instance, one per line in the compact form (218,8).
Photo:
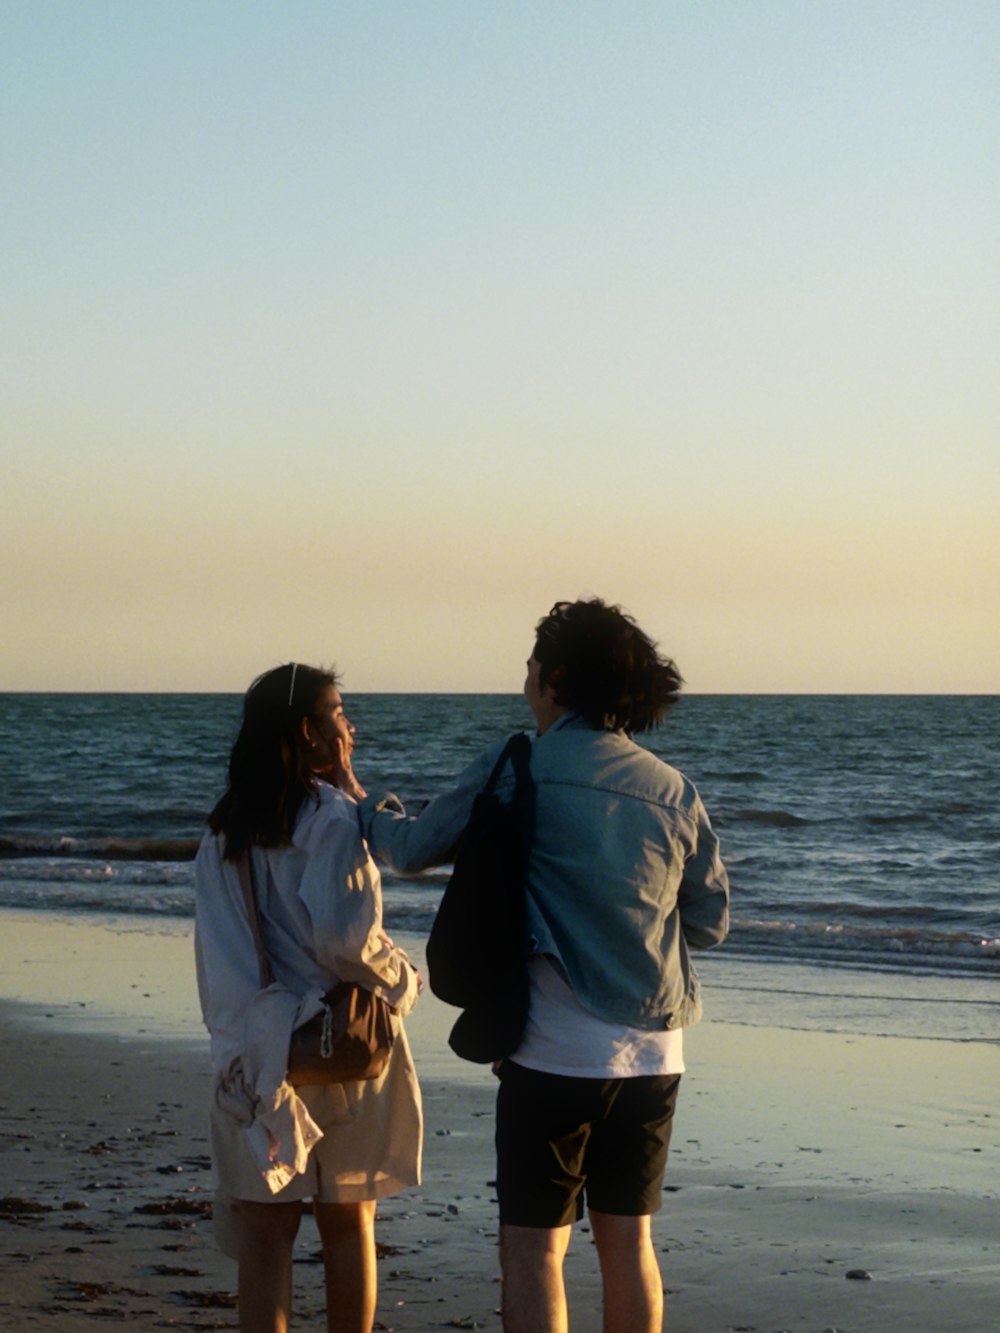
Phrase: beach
(799,1159)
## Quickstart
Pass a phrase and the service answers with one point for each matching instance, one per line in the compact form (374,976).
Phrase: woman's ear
(307,734)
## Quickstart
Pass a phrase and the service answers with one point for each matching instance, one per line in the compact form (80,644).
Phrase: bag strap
(516,750)
(245,867)
(524,788)
(519,747)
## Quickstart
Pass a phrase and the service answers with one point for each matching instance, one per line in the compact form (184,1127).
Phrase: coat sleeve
(342,892)
(226,957)
(703,897)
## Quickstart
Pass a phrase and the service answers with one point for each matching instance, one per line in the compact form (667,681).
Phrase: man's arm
(703,898)
(412,843)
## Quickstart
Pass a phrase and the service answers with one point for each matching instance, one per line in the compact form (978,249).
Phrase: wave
(123,874)
(775,818)
(904,817)
(839,910)
(898,947)
(172,900)
(101,849)
(436,875)
(814,993)
(906,946)
(82,896)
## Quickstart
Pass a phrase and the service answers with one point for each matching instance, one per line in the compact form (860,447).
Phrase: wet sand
(798,1159)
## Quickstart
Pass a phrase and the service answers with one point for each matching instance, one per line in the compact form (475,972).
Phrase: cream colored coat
(320,902)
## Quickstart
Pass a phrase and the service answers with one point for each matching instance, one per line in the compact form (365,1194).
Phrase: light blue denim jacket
(624,874)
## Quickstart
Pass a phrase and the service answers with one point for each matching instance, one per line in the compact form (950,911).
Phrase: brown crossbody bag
(349,1039)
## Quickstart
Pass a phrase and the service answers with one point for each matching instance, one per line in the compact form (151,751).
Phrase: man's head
(595,660)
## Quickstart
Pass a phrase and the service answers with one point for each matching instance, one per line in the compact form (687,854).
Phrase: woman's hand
(341,773)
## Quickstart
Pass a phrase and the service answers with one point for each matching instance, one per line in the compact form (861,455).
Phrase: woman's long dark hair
(269,776)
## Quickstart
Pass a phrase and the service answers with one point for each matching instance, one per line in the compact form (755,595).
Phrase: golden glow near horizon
(364,334)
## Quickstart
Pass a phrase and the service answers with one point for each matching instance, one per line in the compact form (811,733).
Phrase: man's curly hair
(600,663)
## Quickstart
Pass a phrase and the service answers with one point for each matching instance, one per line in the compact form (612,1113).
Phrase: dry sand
(797,1159)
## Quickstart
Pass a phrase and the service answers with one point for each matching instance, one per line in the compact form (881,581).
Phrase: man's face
(541,698)
(533,685)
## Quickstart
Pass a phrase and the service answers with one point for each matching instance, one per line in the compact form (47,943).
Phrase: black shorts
(561,1140)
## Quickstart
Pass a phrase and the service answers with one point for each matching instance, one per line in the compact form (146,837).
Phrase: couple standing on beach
(624,878)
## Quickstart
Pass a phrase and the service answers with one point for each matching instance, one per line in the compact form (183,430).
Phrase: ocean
(861,833)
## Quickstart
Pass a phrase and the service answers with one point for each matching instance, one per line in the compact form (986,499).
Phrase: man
(624,878)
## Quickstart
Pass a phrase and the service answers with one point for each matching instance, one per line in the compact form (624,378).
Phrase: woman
(290,805)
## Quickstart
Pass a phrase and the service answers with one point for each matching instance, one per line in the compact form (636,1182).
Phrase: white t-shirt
(562,1037)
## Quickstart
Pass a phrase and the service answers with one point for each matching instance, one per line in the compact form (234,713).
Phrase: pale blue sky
(362,332)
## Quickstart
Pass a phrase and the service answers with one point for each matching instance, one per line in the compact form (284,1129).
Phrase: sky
(359,333)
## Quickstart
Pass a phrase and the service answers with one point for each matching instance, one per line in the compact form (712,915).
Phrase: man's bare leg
(534,1295)
(633,1285)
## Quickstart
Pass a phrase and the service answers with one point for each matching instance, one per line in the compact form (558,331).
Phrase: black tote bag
(478,945)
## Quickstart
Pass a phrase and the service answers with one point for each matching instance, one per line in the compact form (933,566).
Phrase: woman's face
(330,726)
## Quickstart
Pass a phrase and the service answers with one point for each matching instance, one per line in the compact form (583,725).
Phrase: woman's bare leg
(347,1231)
(267,1235)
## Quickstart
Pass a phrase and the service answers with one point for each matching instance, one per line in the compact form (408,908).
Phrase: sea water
(860,832)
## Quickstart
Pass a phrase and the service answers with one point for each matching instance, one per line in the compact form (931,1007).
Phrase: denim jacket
(624,874)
